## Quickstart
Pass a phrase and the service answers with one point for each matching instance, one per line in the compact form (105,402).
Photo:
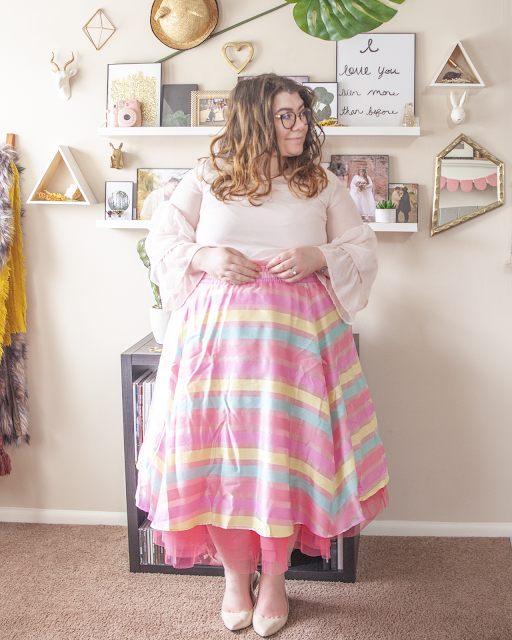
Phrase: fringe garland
(13,388)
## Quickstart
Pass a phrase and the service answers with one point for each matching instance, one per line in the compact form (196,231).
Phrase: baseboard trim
(376,528)
(58,516)
(441,529)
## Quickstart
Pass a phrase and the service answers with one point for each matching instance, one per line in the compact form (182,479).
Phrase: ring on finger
(293,271)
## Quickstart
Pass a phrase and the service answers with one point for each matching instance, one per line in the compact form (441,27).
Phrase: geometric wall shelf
(65,156)
(99,29)
(458,55)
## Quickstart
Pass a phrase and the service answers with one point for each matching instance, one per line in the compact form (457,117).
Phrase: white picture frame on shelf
(142,82)
(119,200)
(375,73)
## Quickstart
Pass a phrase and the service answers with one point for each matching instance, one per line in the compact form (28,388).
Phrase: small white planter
(385,215)
(159,320)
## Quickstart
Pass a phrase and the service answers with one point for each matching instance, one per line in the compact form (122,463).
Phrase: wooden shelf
(128,132)
(122,224)
(403,227)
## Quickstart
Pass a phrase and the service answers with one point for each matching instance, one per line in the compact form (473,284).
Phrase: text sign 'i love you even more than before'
(375,75)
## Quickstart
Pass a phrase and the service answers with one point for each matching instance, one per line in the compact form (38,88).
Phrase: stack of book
(143,388)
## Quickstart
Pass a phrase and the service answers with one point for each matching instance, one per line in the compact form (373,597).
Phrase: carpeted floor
(72,583)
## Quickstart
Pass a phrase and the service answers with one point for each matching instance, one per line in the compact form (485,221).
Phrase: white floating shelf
(122,224)
(404,227)
(127,132)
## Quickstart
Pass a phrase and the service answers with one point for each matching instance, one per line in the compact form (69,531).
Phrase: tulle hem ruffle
(203,544)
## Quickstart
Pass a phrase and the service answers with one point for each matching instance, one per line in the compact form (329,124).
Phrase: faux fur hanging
(13,393)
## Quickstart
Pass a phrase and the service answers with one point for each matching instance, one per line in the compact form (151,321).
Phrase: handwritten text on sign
(375,76)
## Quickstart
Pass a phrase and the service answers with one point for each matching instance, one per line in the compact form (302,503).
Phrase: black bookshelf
(145,355)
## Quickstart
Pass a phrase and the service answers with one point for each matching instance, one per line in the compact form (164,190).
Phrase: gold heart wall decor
(238,46)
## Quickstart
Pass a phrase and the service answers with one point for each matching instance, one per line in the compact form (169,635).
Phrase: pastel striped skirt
(261,427)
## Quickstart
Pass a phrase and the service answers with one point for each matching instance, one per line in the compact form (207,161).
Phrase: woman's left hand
(303,261)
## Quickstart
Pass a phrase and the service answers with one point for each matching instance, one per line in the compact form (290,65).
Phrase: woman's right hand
(225,264)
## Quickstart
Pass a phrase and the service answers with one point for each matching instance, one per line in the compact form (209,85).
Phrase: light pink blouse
(193,218)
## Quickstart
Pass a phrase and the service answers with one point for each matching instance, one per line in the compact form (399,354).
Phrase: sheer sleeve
(171,244)
(350,254)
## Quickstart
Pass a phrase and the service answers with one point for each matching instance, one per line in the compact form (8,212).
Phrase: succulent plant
(141,250)
(386,204)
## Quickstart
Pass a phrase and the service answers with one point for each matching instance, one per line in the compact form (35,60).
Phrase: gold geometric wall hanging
(99,29)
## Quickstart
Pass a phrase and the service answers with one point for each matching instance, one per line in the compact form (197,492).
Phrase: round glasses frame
(289,118)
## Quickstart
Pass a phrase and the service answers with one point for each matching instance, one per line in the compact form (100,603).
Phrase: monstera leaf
(340,19)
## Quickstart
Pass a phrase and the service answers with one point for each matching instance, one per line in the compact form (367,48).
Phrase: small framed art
(366,179)
(327,96)
(209,108)
(176,104)
(155,186)
(405,196)
(118,200)
(142,82)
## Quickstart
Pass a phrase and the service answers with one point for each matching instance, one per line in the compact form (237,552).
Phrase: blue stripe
(263,403)
(337,331)
(253,333)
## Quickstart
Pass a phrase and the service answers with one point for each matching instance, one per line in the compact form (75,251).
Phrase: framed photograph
(209,108)
(142,82)
(118,200)
(155,186)
(365,178)
(327,96)
(176,104)
(405,196)
(375,73)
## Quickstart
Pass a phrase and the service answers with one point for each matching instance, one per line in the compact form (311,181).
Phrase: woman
(361,190)
(262,435)
(405,204)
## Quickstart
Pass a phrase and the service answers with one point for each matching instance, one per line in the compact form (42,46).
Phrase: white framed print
(155,186)
(327,96)
(375,73)
(142,82)
(118,200)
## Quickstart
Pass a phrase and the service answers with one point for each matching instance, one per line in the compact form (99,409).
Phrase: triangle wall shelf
(63,154)
(458,55)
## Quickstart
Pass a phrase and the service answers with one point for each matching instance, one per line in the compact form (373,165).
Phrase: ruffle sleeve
(171,244)
(352,263)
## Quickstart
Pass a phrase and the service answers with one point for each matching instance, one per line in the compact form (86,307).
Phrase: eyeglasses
(289,118)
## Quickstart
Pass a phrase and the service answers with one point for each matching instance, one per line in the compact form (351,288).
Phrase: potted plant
(159,317)
(385,211)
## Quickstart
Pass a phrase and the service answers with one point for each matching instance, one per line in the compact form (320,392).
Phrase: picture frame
(119,200)
(176,105)
(142,82)
(208,108)
(407,205)
(327,96)
(155,186)
(375,73)
(366,190)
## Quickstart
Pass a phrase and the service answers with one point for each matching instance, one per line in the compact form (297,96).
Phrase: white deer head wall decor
(62,77)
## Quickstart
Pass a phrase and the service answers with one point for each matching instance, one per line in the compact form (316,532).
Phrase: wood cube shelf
(63,154)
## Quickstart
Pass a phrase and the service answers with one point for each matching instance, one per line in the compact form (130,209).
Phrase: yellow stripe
(374,489)
(227,453)
(261,386)
(256,315)
(364,432)
(337,393)
(232,522)
(326,321)
(347,468)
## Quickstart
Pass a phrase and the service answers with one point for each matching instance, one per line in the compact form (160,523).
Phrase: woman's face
(362,172)
(290,141)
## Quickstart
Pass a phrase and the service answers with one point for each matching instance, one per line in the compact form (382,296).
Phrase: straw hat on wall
(183,24)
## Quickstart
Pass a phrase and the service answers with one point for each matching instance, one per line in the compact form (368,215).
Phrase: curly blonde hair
(242,153)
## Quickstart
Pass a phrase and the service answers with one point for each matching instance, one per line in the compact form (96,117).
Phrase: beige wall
(436,342)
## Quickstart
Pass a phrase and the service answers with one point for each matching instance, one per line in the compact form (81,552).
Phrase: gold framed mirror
(469,182)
